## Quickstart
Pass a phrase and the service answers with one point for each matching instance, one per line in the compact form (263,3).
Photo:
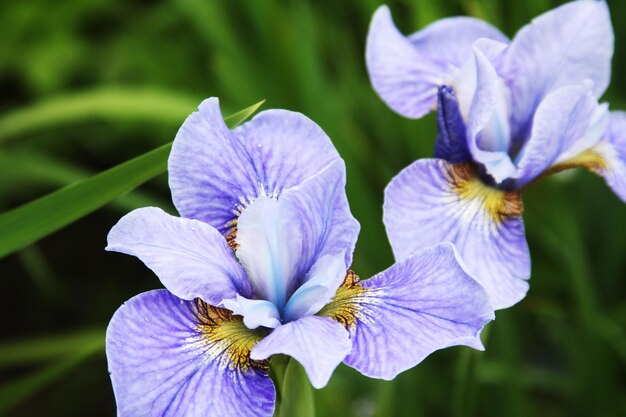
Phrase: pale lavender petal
(432,201)
(269,247)
(405,72)
(318,343)
(191,258)
(488,132)
(214,172)
(210,172)
(164,363)
(447,42)
(564,46)
(255,313)
(608,157)
(280,239)
(567,122)
(319,287)
(421,304)
(326,223)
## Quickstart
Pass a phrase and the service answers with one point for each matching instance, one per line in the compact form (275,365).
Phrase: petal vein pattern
(432,201)
(170,357)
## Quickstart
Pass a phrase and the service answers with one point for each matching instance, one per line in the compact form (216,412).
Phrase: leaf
(32,221)
(297,393)
(108,103)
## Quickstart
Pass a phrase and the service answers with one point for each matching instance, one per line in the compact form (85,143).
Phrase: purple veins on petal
(170,357)
(191,258)
(214,172)
(406,71)
(320,344)
(433,201)
(421,304)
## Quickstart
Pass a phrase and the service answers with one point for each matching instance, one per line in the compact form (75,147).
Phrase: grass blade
(32,221)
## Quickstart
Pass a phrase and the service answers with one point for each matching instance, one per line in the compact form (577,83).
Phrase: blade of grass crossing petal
(32,221)
(297,393)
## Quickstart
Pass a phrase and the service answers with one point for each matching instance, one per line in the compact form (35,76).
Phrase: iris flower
(509,113)
(258,265)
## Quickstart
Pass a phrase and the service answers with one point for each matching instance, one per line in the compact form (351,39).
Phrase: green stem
(296,394)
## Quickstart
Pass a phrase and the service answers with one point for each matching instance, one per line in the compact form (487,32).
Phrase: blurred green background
(86,85)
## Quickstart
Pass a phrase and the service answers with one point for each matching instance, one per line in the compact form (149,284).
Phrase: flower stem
(295,394)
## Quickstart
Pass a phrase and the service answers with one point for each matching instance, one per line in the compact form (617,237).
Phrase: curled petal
(191,258)
(432,201)
(255,313)
(565,46)
(281,239)
(319,287)
(214,172)
(406,72)
(172,358)
(567,122)
(607,158)
(421,304)
(488,131)
(318,343)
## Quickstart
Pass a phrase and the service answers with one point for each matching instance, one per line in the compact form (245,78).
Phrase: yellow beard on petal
(500,205)
(345,306)
(226,338)
(590,159)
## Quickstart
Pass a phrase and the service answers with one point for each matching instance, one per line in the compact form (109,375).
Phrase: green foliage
(30,222)
(296,393)
(88,85)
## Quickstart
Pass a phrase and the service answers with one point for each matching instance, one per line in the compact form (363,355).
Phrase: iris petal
(215,172)
(567,122)
(432,201)
(565,46)
(421,304)
(270,244)
(318,343)
(318,289)
(406,72)
(172,358)
(190,258)
(483,101)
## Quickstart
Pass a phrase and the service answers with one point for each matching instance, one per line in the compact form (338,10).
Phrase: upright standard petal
(319,287)
(488,130)
(318,343)
(269,247)
(421,304)
(564,46)
(405,72)
(432,201)
(191,258)
(279,240)
(326,223)
(169,357)
(567,122)
(214,172)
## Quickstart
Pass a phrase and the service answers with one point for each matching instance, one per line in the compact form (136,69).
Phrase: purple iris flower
(508,112)
(258,265)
